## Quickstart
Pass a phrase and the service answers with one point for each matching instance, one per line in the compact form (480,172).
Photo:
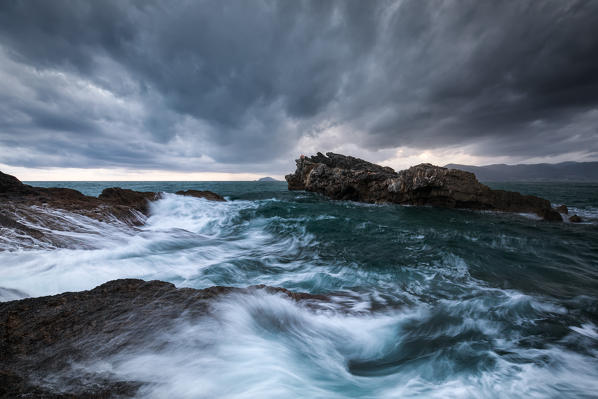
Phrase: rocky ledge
(344,177)
(43,337)
(202,194)
(23,208)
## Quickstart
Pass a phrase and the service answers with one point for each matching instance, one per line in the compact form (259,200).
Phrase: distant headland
(564,171)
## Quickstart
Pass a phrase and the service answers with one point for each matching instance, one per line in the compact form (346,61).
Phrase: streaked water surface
(423,302)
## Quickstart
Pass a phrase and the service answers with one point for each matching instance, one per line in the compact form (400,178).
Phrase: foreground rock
(24,209)
(347,178)
(43,337)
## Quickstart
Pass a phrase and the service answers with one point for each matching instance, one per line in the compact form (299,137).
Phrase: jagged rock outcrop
(42,337)
(347,178)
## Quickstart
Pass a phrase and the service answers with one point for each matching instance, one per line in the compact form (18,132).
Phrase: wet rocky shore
(42,339)
(24,208)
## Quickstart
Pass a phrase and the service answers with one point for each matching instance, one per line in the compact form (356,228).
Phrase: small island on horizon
(267,178)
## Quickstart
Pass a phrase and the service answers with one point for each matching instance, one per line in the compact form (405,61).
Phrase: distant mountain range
(565,171)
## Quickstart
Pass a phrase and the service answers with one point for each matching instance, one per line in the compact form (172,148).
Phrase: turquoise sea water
(424,302)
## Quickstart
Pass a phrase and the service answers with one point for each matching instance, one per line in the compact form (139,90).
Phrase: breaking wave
(420,302)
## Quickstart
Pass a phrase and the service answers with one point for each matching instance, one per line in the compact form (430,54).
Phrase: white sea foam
(587,329)
(64,228)
(267,346)
(427,329)
(588,214)
(181,241)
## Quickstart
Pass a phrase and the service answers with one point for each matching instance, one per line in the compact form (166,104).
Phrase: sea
(422,302)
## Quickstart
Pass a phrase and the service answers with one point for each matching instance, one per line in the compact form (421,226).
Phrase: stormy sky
(246,86)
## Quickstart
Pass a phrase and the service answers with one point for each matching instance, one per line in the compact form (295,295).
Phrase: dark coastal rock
(32,215)
(550,215)
(123,197)
(8,222)
(42,337)
(347,178)
(563,209)
(28,214)
(575,219)
(10,183)
(209,195)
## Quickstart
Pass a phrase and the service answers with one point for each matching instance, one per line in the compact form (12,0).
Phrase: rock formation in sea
(575,219)
(23,206)
(562,209)
(202,194)
(344,177)
(43,337)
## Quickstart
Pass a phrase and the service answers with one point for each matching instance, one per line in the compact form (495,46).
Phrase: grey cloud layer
(218,85)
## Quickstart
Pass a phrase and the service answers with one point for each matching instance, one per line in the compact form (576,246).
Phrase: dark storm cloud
(215,85)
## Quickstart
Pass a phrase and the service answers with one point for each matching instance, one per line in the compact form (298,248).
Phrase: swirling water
(424,302)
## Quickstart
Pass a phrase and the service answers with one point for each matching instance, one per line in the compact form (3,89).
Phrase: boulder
(124,197)
(575,219)
(209,195)
(563,209)
(348,178)
(550,215)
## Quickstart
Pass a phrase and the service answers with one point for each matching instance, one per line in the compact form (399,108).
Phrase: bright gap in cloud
(99,174)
